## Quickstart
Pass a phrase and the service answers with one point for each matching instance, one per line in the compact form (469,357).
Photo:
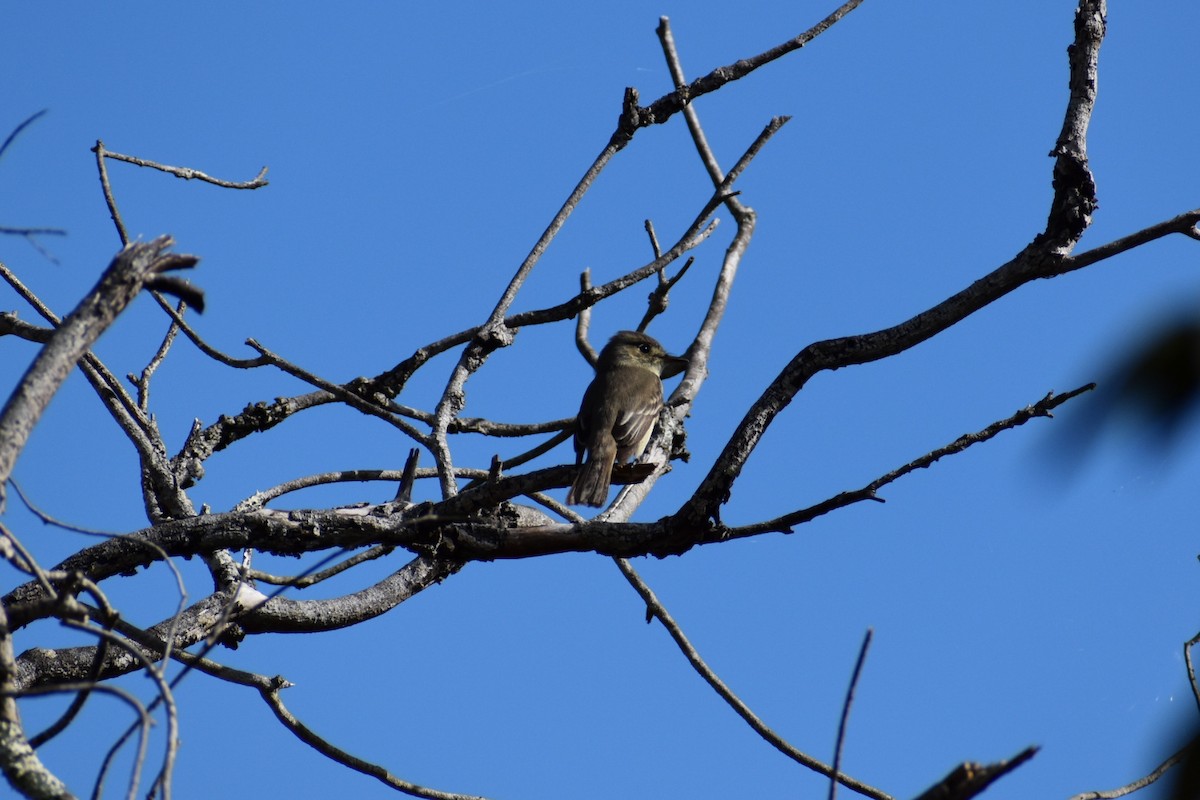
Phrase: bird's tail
(591,484)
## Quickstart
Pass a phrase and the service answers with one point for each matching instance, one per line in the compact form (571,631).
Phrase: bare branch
(306,735)
(119,284)
(30,232)
(283,615)
(109,198)
(142,381)
(659,299)
(229,361)
(1042,408)
(841,734)
(304,581)
(346,396)
(164,696)
(11,325)
(584,321)
(84,688)
(122,408)
(655,609)
(1191,671)
(260,499)
(1143,782)
(545,447)
(970,779)
(107,616)
(187,173)
(12,137)
(1044,257)
(1184,223)
(663,108)
(446,525)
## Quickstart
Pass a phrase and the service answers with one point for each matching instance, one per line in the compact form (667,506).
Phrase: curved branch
(284,615)
(325,748)
(655,609)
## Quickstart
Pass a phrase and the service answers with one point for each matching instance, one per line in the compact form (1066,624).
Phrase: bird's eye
(645,348)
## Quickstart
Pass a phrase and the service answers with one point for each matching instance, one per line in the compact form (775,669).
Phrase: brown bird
(619,410)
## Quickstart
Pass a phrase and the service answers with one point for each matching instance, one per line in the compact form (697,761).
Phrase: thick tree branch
(284,615)
(451,529)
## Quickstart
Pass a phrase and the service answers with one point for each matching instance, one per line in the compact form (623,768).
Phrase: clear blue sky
(416,152)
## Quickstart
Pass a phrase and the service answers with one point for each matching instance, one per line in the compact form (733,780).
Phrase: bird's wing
(636,420)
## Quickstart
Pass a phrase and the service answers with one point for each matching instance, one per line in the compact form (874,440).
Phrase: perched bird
(619,410)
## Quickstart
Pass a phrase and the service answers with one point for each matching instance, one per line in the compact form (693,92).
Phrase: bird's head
(634,349)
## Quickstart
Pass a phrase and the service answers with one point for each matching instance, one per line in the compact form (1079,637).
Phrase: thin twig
(784,524)
(145,721)
(325,748)
(545,447)
(20,127)
(180,587)
(1140,783)
(341,393)
(187,173)
(655,609)
(304,581)
(1184,224)
(28,232)
(110,199)
(204,347)
(841,734)
(163,696)
(107,616)
(660,297)
(165,648)
(663,108)
(142,382)
(19,556)
(679,404)
(261,498)
(90,686)
(107,387)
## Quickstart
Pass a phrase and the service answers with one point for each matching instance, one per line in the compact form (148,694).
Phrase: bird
(618,411)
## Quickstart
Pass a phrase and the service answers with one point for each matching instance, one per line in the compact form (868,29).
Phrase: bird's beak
(673,365)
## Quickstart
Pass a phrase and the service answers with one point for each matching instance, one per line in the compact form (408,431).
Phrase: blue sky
(416,153)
